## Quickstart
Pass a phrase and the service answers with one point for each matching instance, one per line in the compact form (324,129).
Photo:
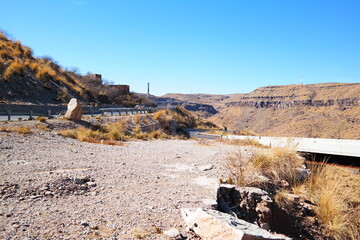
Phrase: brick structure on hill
(125,89)
(122,88)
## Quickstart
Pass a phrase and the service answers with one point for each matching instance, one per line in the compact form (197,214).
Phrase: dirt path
(48,186)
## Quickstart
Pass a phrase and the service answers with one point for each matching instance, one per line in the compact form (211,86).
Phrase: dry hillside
(28,79)
(330,110)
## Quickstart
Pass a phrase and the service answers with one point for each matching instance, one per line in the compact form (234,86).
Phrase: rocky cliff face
(319,110)
(263,102)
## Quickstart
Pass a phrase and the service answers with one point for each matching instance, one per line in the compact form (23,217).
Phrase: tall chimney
(148,91)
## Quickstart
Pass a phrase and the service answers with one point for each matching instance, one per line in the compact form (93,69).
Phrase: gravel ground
(53,187)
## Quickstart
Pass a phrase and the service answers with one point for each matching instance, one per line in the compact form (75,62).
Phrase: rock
(215,225)
(210,203)
(302,174)
(79,181)
(255,206)
(48,193)
(206,167)
(85,224)
(172,127)
(293,197)
(91,184)
(173,233)
(74,110)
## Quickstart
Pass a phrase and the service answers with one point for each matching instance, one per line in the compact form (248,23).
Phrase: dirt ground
(53,187)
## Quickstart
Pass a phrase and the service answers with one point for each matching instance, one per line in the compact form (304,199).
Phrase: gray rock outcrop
(255,206)
(74,110)
(215,225)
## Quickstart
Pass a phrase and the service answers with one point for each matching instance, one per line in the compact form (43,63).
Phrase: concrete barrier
(343,147)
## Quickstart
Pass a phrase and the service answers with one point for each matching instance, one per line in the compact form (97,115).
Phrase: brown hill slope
(25,78)
(330,110)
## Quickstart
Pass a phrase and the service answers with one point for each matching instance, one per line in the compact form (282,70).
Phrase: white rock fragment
(173,233)
(215,225)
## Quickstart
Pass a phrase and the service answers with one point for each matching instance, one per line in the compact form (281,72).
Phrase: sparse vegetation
(41,119)
(18,67)
(335,192)
(21,130)
(243,142)
(278,164)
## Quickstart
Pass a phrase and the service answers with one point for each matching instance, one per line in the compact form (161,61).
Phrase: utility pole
(148,91)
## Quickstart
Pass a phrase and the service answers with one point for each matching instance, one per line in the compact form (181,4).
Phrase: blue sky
(194,46)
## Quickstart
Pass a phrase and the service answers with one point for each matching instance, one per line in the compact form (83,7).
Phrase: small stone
(91,184)
(79,181)
(48,193)
(206,167)
(173,233)
(85,224)
(294,197)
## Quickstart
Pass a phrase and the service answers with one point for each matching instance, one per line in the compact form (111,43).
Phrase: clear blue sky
(194,46)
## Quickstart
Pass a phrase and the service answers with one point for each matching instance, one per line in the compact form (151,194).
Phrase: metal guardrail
(89,110)
(29,113)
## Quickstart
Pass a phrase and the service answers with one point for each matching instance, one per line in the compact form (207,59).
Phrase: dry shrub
(282,199)
(140,233)
(15,67)
(42,127)
(4,129)
(89,135)
(71,133)
(241,171)
(21,130)
(278,164)
(41,119)
(117,131)
(45,72)
(137,119)
(245,132)
(158,134)
(243,142)
(183,118)
(263,167)
(203,141)
(335,192)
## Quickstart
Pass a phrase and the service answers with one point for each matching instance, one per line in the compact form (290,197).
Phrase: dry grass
(262,167)
(242,171)
(243,142)
(43,127)
(335,192)
(245,132)
(20,130)
(41,119)
(88,135)
(140,233)
(15,67)
(282,199)
(278,164)
(203,141)
(112,133)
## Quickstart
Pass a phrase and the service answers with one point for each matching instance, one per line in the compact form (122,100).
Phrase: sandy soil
(53,187)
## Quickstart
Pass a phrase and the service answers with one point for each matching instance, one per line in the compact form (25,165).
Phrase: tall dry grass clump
(335,192)
(270,165)
(20,130)
(15,67)
(278,164)
(241,171)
